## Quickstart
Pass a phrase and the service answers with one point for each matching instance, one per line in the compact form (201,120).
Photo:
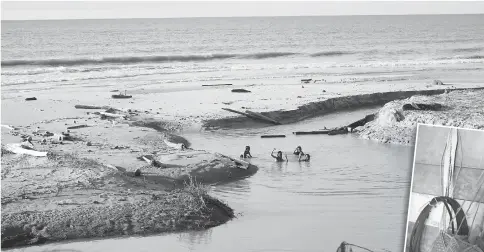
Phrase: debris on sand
(90,107)
(22,148)
(121,96)
(10,127)
(255,116)
(151,161)
(272,136)
(240,90)
(422,106)
(215,85)
(78,126)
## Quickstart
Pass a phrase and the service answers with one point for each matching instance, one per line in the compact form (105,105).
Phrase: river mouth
(352,190)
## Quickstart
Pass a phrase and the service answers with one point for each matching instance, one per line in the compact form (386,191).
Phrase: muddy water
(352,190)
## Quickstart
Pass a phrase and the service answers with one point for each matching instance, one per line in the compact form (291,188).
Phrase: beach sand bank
(395,124)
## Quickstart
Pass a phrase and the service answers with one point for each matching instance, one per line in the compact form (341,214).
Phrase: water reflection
(195,238)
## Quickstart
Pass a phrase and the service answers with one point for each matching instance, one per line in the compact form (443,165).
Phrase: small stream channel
(352,190)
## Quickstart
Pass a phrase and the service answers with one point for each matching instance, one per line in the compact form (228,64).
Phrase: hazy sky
(22,10)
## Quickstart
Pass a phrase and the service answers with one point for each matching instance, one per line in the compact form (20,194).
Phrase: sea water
(345,49)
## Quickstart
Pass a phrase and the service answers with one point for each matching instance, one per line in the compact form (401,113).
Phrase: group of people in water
(302,157)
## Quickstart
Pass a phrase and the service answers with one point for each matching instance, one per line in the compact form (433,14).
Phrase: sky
(41,10)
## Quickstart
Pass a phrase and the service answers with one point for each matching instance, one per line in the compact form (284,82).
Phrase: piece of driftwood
(215,85)
(362,122)
(254,116)
(240,90)
(121,96)
(111,115)
(316,132)
(272,136)
(78,126)
(235,111)
(20,149)
(339,131)
(9,127)
(151,161)
(245,114)
(90,107)
(263,117)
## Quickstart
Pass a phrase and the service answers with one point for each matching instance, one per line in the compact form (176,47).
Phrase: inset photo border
(446,203)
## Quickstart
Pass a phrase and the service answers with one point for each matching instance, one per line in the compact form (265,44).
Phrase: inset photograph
(446,203)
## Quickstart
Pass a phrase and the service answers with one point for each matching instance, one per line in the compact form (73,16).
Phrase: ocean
(254,50)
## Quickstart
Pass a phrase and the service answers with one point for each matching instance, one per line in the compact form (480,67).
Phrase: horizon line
(336,15)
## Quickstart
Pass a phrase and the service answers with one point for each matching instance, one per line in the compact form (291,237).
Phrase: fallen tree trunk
(240,90)
(90,107)
(363,121)
(111,115)
(249,115)
(272,136)
(19,149)
(311,132)
(215,85)
(263,117)
(78,126)
(339,131)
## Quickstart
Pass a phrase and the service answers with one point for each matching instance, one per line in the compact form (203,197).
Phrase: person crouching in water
(246,153)
(279,156)
(298,151)
(304,158)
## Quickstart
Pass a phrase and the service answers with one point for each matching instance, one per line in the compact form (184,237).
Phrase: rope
(417,231)
(475,214)
(482,197)
(475,196)
(350,244)
(448,188)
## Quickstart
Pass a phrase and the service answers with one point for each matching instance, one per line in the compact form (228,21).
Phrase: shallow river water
(352,190)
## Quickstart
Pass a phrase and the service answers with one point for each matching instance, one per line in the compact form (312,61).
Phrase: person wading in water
(246,153)
(279,156)
(298,151)
(304,158)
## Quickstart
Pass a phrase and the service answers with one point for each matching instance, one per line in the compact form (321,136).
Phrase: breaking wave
(125,60)
(266,55)
(141,59)
(466,57)
(157,59)
(471,49)
(330,53)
